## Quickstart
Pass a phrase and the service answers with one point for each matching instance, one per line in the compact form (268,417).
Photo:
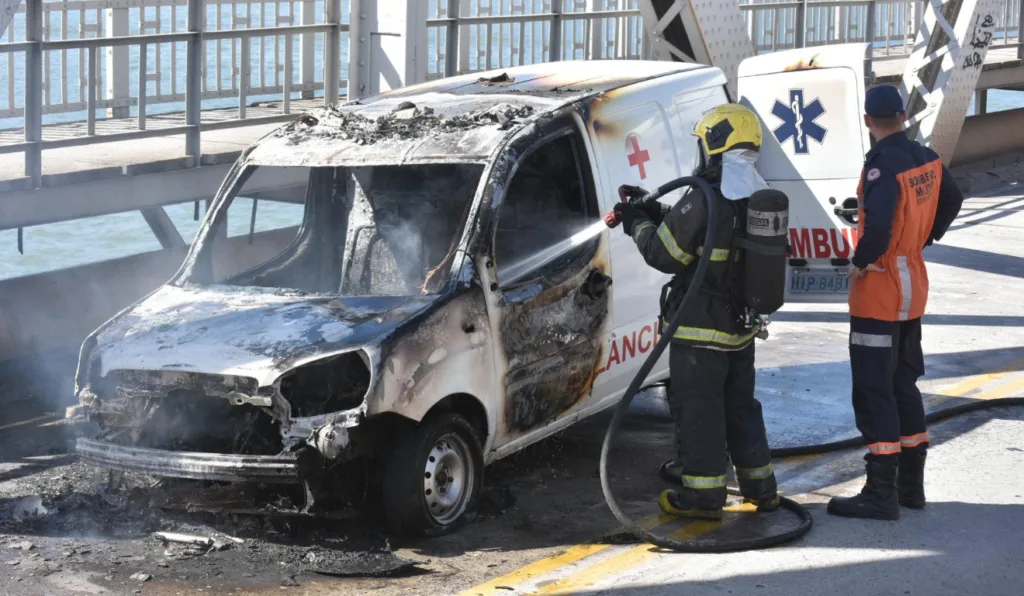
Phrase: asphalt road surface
(553,539)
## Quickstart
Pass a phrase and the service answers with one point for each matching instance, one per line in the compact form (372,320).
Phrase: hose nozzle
(628,193)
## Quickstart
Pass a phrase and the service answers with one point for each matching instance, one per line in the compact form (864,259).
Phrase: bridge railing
(890,25)
(137,58)
(101,61)
(475,35)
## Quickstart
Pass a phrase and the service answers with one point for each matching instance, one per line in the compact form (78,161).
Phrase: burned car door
(551,298)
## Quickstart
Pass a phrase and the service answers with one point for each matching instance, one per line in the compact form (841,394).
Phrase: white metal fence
(92,59)
(890,25)
(120,55)
(151,71)
(486,34)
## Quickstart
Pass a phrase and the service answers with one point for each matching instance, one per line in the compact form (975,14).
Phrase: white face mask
(740,178)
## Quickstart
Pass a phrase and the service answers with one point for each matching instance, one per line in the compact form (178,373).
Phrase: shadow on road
(946,549)
(975,260)
(555,482)
(992,212)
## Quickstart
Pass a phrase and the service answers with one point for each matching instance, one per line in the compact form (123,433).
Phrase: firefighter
(907,199)
(712,353)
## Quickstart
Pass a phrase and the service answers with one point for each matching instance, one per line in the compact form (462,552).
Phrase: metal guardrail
(179,38)
(890,25)
(65,69)
(487,34)
(482,35)
(137,58)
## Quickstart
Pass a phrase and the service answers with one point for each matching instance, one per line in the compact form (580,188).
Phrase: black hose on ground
(935,416)
(705,545)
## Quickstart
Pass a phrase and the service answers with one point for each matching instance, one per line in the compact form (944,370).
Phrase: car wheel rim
(448,479)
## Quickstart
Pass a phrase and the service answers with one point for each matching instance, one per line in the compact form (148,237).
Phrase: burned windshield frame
(340,203)
(199,264)
(417,214)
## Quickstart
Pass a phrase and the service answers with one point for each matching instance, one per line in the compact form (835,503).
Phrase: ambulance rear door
(810,102)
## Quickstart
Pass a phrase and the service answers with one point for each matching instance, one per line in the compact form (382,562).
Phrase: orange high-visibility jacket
(907,199)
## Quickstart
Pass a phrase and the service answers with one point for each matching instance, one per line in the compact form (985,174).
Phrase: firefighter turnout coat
(674,245)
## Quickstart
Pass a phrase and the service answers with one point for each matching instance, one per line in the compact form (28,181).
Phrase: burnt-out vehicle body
(400,290)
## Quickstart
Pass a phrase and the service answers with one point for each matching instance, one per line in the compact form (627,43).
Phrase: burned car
(390,294)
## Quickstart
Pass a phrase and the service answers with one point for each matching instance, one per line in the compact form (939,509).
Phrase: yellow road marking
(1007,389)
(632,557)
(577,553)
(549,564)
(978,381)
(800,458)
(972,383)
(535,569)
(619,563)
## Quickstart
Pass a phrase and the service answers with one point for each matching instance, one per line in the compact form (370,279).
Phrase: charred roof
(566,80)
(458,119)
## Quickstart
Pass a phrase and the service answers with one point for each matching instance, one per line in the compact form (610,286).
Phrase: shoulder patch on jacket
(873,174)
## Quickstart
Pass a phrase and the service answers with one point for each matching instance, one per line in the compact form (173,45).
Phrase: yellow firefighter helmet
(727,127)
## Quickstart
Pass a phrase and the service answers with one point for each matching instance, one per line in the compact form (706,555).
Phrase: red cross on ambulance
(636,156)
(636,148)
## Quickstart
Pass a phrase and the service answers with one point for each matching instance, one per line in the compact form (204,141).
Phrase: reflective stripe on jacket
(907,198)
(674,245)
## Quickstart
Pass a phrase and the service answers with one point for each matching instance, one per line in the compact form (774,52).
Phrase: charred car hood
(253,332)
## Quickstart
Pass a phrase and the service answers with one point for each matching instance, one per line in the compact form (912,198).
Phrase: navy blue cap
(883,101)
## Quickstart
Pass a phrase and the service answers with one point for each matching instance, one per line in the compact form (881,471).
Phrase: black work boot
(762,492)
(910,479)
(688,502)
(877,500)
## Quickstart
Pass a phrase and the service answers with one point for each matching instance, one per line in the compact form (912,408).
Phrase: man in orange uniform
(907,200)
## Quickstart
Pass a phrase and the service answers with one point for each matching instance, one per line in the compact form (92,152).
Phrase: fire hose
(700,545)
(711,545)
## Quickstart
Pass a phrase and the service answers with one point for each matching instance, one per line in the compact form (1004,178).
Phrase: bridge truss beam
(943,70)
(703,31)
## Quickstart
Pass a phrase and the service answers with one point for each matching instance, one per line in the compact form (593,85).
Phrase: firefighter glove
(654,210)
(629,215)
(631,194)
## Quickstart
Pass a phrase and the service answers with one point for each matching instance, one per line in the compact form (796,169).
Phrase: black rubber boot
(877,500)
(688,503)
(910,479)
(762,492)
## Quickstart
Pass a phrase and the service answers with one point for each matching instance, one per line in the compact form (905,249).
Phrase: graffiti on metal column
(981,37)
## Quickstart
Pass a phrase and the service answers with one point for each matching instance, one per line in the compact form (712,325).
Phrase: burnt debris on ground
(405,122)
(73,518)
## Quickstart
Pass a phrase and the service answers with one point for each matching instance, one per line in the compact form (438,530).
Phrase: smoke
(415,217)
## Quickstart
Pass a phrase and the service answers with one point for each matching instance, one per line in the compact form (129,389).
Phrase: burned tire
(434,477)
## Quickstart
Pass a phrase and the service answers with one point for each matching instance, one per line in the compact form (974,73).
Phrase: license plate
(818,282)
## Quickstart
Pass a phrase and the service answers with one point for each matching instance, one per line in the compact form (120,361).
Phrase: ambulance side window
(549,198)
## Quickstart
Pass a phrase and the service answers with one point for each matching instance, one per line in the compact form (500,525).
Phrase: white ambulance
(417,284)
